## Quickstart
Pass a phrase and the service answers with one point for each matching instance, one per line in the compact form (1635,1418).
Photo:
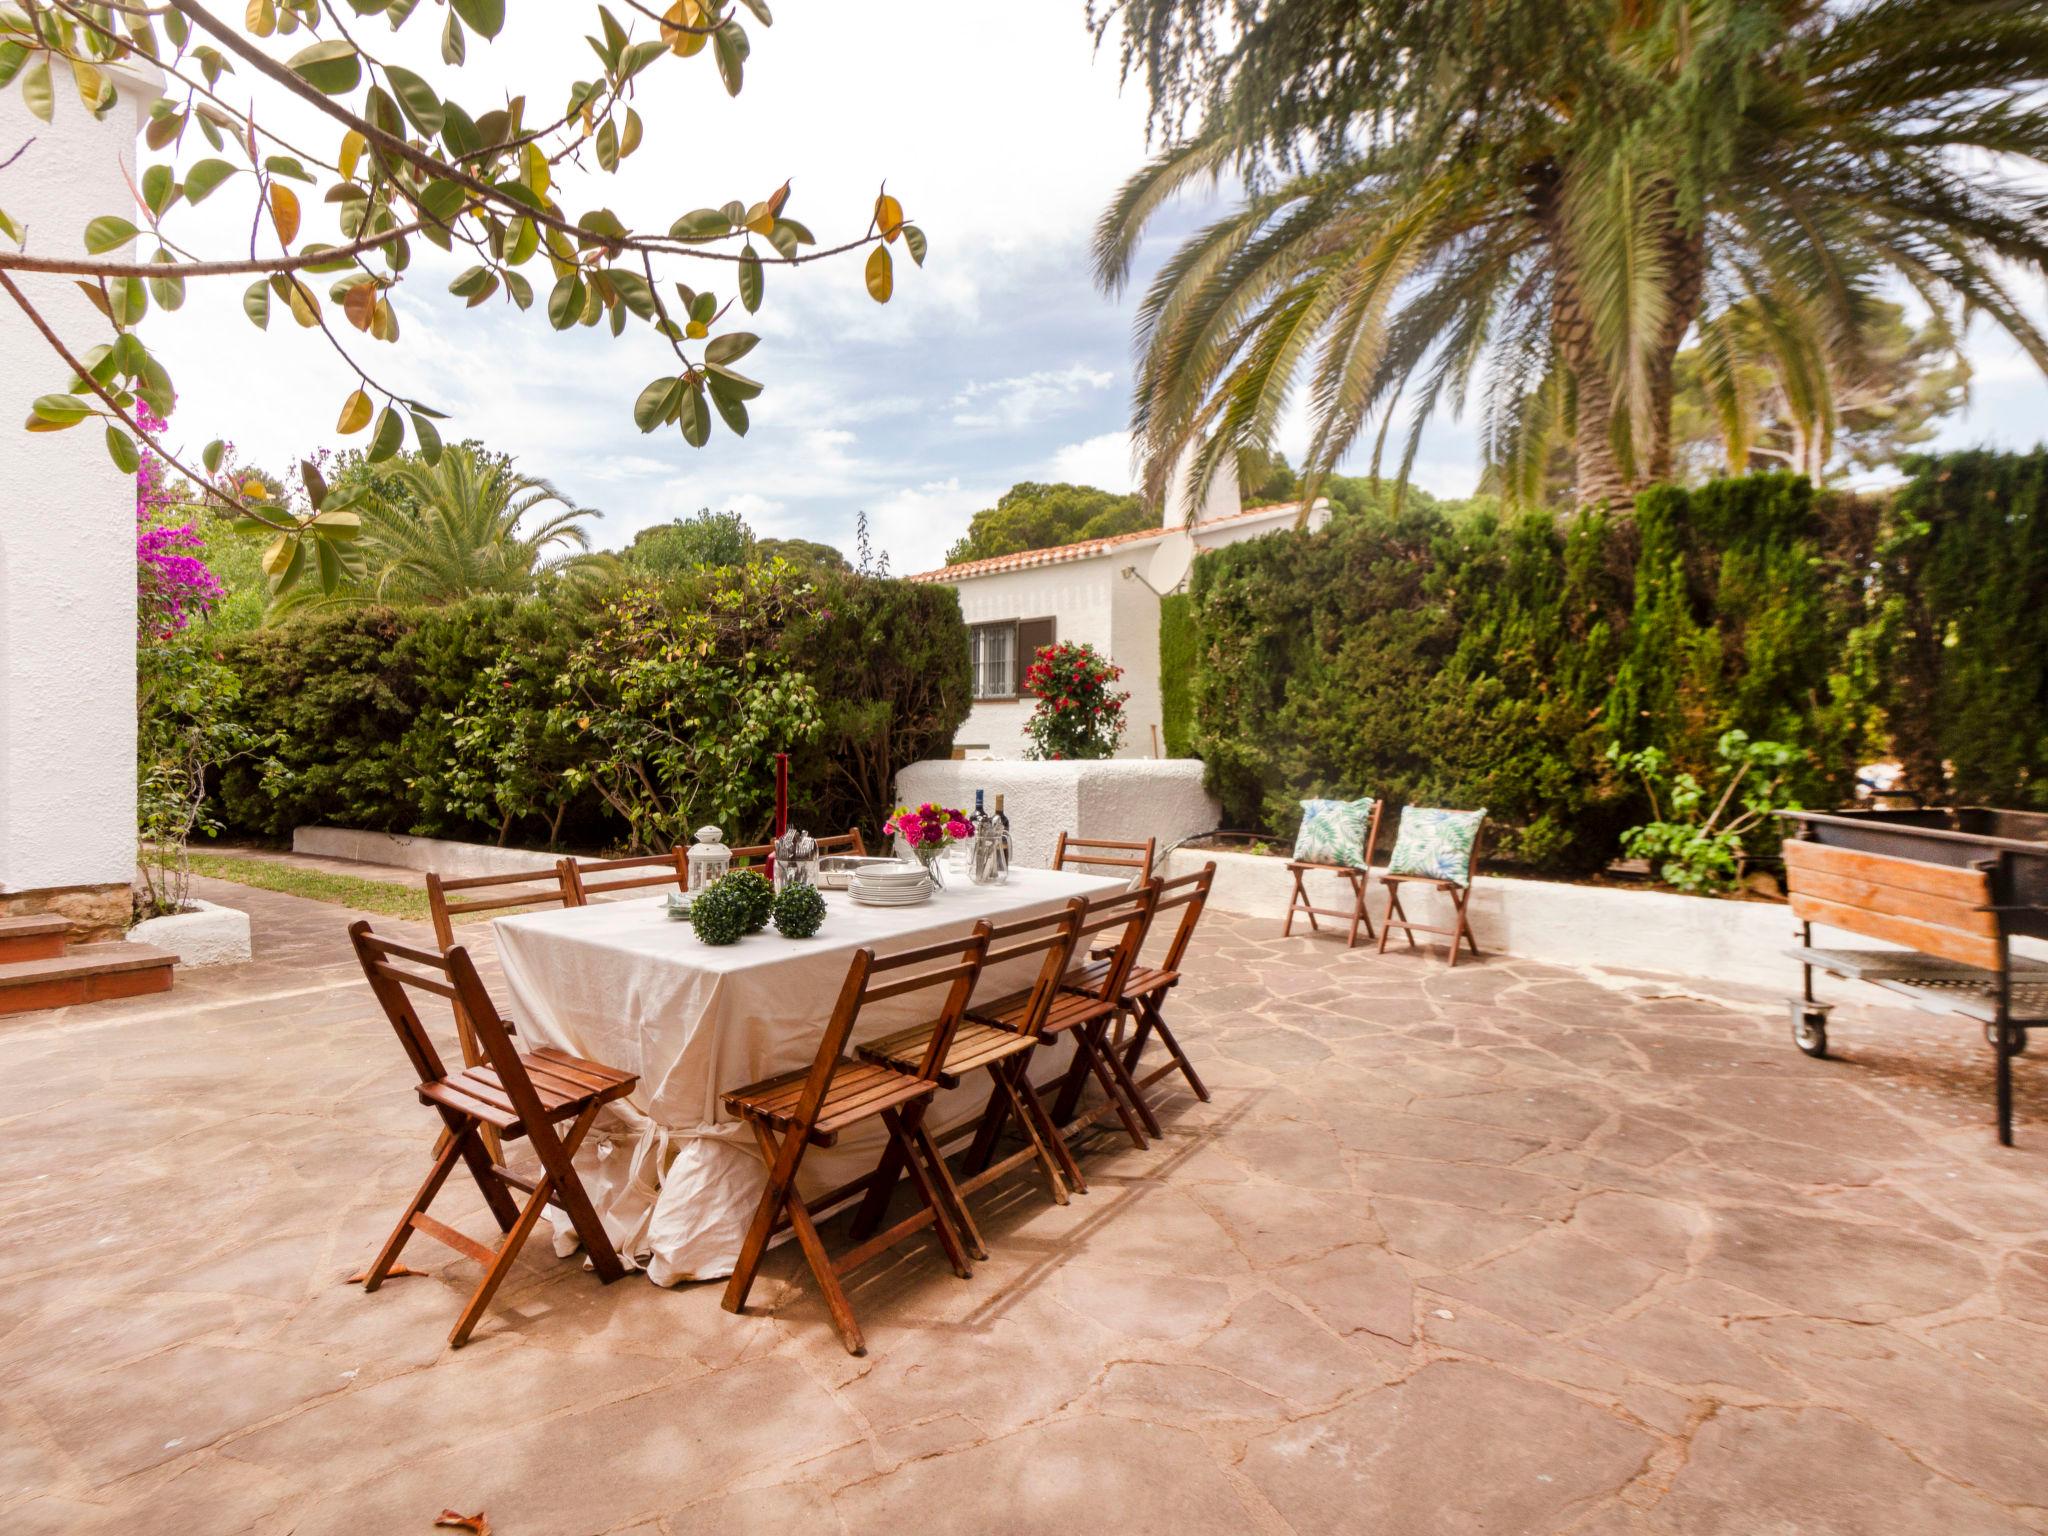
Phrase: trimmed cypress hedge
(363,704)
(1488,660)
(1177,651)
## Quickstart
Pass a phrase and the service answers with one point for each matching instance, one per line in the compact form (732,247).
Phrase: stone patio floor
(1495,1249)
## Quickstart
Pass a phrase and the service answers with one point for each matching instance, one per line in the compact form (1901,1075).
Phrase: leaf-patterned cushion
(1333,832)
(1436,845)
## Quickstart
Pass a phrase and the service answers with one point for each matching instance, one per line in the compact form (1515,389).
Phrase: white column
(67,542)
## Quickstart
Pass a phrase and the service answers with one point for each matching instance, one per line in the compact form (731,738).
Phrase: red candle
(781,805)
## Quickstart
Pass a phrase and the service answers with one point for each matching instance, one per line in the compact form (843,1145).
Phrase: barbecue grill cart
(1951,889)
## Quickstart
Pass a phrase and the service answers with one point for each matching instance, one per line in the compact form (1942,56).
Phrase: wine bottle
(1002,838)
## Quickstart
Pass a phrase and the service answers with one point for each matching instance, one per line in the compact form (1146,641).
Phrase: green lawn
(383,897)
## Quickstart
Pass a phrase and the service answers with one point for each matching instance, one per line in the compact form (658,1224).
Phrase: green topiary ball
(799,912)
(755,891)
(718,915)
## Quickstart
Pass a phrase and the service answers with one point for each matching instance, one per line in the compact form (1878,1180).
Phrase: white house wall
(67,549)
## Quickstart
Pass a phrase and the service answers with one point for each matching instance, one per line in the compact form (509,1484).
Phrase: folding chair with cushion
(815,1105)
(1087,1016)
(1337,838)
(1136,857)
(602,877)
(845,842)
(1437,849)
(532,888)
(1005,1054)
(514,1093)
(1145,988)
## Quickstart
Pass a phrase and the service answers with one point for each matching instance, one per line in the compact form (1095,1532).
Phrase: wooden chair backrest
(598,877)
(752,854)
(530,888)
(1372,830)
(1054,936)
(1190,893)
(1115,855)
(1936,909)
(1129,915)
(954,964)
(845,842)
(396,971)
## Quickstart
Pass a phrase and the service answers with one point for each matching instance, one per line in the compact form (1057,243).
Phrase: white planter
(451,860)
(1609,928)
(1129,799)
(205,935)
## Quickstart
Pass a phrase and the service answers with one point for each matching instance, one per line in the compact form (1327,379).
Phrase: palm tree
(435,533)
(1540,200)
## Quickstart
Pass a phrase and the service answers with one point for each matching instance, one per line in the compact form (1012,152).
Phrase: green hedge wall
(362,703)
(1177,651)
(1960,632)
(1491,661)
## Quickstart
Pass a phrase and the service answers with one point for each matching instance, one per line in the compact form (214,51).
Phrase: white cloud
(916,523)
(1017,402)
(1103,461)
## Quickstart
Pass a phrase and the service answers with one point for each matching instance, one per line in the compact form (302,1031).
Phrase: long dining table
(674,1178)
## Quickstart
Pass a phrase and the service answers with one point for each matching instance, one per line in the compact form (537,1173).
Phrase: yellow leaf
(881,275)
(684,14)
(255,490)
(355,413)
(761,219)
(305,304)
(261,17)
(278,556)
(384,324)
(284,212)
(538,175)
(888,216)
(696,329)
(352,146)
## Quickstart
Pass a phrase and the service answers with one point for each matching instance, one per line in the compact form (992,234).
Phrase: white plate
(875,875)
(912,899)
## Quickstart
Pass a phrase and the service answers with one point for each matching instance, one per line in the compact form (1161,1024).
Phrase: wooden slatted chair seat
(1144,980)
(1069,1010)
(567,1085)
(859,1091)
(975,1046)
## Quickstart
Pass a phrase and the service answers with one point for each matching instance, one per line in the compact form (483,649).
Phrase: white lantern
(708,858)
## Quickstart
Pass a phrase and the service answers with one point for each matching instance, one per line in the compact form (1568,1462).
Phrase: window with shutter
(1032,636)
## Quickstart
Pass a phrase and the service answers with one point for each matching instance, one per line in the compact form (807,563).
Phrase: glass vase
(932,858)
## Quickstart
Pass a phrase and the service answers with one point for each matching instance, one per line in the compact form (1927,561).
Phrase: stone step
(32,938)
(90,973)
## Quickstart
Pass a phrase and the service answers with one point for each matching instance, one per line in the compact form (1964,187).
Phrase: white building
(67,548)
(1102,592)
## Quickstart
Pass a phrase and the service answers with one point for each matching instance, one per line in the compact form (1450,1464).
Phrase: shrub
(1177,648)
(1492,660)
(496,717)
(1080,711)
(799,912)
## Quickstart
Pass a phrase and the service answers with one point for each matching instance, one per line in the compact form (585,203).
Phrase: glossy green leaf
(121,449)
(417,99)
(169,292)
(128,300)
(655,403)
(60,410)
(696,417)
(286,165)
(701,224)
(204,176)
(159,186)
(913,240)
(107,233)
(519,289)
(729,44)
(452,48)
(12,56)
(750,280)
(429,437)
(389,437)
(731,347)
(332,68)
(256,303)
(211,455)
(35,89)
(737,385)
(633,291)
(565,304)
(484,16)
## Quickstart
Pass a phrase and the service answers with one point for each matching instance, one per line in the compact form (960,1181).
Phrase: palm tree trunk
(1685,264)
(1597,475)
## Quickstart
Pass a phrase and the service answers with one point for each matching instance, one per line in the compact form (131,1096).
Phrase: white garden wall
(1120,798)
(1605,927)
(450,860)
(67,544)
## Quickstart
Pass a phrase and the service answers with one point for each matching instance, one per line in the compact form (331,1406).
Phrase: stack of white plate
(893,884)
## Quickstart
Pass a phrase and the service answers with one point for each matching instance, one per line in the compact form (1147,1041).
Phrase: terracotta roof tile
(1086,549)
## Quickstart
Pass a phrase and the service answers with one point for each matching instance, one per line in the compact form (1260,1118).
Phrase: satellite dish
(1171,561)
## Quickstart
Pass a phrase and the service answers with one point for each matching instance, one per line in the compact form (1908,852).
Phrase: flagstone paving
(1496,1249)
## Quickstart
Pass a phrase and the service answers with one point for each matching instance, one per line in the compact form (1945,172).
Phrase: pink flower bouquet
(929,830)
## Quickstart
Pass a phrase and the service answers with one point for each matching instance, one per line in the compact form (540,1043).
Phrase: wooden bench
(1956,956)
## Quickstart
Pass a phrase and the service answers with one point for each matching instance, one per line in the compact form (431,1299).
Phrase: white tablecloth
(674,1178)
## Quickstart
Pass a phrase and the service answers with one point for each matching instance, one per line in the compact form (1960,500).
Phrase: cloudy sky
(1003,133)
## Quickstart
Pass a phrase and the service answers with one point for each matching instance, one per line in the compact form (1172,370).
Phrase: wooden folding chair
(515,1093)
(1358,877)
(1144,989)
(845,842)
(1460,892)
(814,1105)
(1005,1054)
(601,877)
(1087,1016)
(1070,851)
